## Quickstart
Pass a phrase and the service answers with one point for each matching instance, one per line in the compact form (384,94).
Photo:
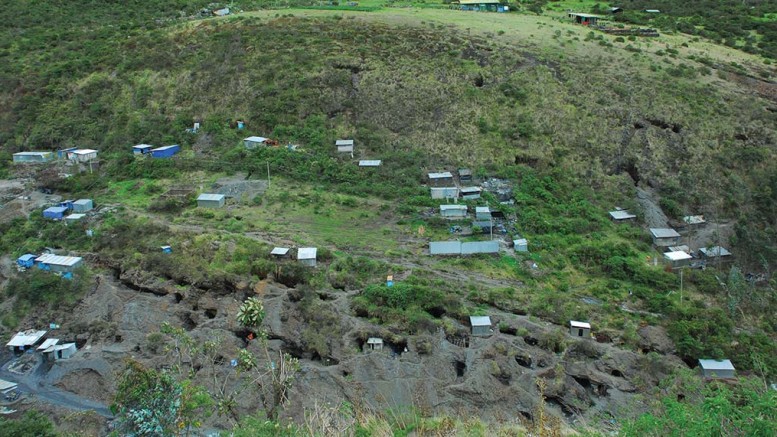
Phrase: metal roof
(26,338)
(75,216)
(255,139)
(483,209)
(344,143)
(453,207)
(465,172)
(520,241)
(480,320)
(374,340)
(142,146)
(60,347)
(7,385)
(714,251)
(57,260)
(208,196)
(716,365)
(306,253)
(440,175)
(32,153)
(621,214)
(472,247)
(581,15)
(677,256)
(27,257)
(445,247)
(82,202)
(664,233)
(48,343)
(159,149)
(56,209)
(165,247)
(369,163)
(471,189)
(680,248)
(576,324)
(279,251)
(83,151)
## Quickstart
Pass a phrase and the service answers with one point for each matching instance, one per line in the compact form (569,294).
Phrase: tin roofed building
(83,205)
(165,151)
(307,256)
(344,146)
(441,179)
(665,237)
(677,259)
(142,149)
(370,163)
(82,155)
(55,212)
(717,368)
(579,329)
(32,157)
(481,325)
(58,264)
(453,211)
(622,216)
(25,340)
(207,200)
(254,142)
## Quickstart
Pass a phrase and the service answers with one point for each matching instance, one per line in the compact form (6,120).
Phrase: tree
(151,403)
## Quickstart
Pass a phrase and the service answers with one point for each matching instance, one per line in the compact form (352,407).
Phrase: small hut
(579,329)
(716,368)
(375,343)
(481,325)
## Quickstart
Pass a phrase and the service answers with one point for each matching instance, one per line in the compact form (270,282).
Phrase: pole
(681,285)
(268,174)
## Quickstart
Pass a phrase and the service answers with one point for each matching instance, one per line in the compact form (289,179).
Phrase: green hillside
(575,121)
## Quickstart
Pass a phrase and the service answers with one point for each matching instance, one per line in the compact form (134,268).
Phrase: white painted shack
(717,369)
(677,259)
(664,237)
(307,256)
(375,343)
(481,325)
(453,211)
(579,329)
(60,352)
(82,155)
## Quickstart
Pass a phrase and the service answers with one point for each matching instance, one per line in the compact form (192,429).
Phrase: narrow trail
(33,385)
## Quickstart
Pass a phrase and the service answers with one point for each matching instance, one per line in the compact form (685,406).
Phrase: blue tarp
(26,260)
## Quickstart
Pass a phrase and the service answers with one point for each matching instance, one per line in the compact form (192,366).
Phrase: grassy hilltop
(577,121)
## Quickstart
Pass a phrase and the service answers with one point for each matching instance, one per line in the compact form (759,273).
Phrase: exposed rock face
(655,338)
(493,377)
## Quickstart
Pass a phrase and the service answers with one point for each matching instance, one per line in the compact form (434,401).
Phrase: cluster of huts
(305,255)
(668,240)
(71,154)
(36,341)
(61,265)
(69,210)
